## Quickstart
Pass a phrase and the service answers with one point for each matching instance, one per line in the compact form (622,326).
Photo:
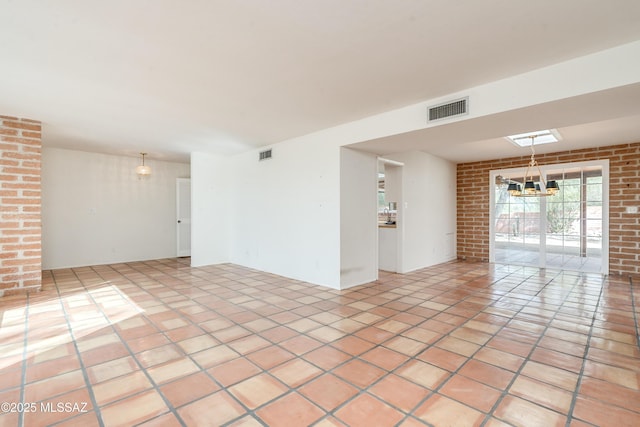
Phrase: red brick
(21,186)
(35,126)
(5,224)
(20,201)
(21,171)
(7,255)
(10,132)
(32,134)
(20,156)
(20,261)
(22,245)
(8,285)
(21,140)
(12,163)
(23,276)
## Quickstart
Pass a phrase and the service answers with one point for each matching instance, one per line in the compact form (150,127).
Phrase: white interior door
(183,216)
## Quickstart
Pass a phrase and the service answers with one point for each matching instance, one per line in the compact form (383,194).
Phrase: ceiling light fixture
(143,170)
(532,188)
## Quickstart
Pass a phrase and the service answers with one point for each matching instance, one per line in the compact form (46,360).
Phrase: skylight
(539,137)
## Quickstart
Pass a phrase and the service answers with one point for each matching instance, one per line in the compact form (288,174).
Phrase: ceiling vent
(264,155)
(450,109)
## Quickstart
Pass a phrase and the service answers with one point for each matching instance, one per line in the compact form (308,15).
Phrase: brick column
(20,207)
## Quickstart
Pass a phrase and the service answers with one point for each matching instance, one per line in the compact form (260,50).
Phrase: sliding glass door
(566,231)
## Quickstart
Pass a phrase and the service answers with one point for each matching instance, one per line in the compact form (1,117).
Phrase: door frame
(604,163)
(179,251)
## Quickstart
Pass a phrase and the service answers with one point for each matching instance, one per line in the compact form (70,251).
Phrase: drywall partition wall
(428,210)
(210,209)
(358,218)
(286,211)
(96,210)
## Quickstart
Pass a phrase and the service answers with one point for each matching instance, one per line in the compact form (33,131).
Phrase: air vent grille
(264,155)
(455,108)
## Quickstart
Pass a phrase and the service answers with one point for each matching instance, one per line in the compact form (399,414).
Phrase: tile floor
(461,344)
(554,259)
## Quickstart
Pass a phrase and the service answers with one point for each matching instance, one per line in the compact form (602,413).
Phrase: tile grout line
(523,281)
(361,391)
(132,354)
(114,330)
(534,347)
(300,357)
(433,392)
(587,347)
(83,368)
(635,311)
(166,278)
(489,414)
(23,373)
(406,414)
(248,411)
(409,414)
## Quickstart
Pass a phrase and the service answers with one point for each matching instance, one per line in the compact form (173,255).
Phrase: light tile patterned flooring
(461,344)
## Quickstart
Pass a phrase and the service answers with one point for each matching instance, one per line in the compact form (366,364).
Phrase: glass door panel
(574,220)
(566,231)
(517,228)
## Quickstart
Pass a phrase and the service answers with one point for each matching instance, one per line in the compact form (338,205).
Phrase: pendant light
(532,188)
(143,170)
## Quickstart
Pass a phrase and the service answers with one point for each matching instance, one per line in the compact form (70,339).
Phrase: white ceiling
(169,77)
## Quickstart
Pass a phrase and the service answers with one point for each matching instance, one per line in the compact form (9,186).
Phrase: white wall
(210,209)
(95,209)
(286,213)
(428,210)
(358,217)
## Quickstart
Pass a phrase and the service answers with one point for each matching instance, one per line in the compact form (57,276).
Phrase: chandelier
(532,188)
(143,169)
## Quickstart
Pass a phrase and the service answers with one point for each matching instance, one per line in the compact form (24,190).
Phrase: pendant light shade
(552,187)
(143,170)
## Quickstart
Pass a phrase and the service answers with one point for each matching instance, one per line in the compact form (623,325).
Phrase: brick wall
(20,207)
(624,191)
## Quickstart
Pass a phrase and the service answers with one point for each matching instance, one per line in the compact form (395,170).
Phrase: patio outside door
(567,231)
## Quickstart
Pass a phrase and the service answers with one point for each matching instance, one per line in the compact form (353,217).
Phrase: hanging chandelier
(143,170)
(532,188)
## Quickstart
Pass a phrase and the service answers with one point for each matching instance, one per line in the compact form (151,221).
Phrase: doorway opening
(390,223)
(567,231)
